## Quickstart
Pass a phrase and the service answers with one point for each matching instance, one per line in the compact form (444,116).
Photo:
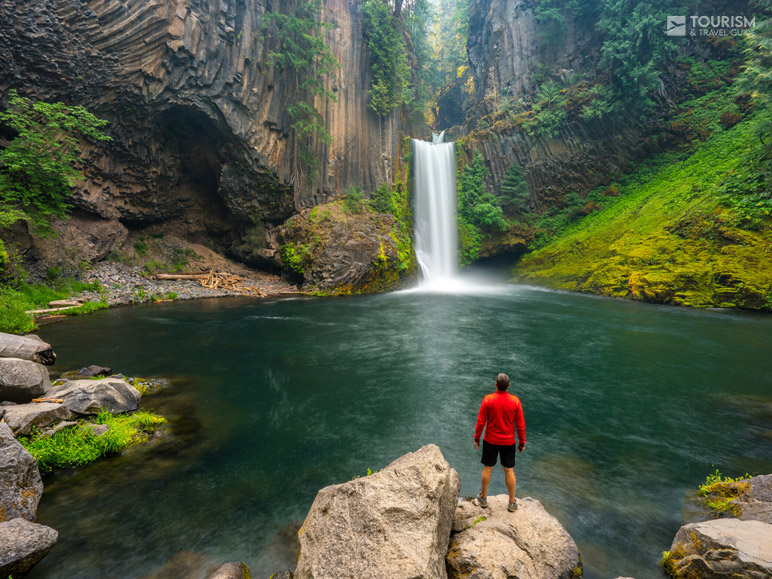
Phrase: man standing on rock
(500,414)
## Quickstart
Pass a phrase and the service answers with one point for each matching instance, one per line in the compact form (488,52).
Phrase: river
(628,407)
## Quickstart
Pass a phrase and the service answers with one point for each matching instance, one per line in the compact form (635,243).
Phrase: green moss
(78,445)
(674,235)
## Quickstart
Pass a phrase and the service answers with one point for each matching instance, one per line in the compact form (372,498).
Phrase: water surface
(628,406)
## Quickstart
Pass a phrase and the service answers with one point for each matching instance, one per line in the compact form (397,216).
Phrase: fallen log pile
(218,280)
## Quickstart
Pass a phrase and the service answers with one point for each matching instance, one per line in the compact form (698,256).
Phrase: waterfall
(436,231)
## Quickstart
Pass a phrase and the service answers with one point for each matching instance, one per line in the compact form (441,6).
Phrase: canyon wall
(509,58)
(201,138)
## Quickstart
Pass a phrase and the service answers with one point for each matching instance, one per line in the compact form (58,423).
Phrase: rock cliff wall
(509,58)
(201,136)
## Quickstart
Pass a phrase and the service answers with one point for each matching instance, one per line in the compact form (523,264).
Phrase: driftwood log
(27,348)
(182,275)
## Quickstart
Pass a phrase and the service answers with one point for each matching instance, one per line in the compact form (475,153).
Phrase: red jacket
(502,412)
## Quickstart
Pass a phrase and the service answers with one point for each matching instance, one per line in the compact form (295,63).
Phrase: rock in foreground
(22,380)
(23,545)
(23,418)
(392,524)
(493,543)
(29,348)
(20,483)
(722,548)
(92,396)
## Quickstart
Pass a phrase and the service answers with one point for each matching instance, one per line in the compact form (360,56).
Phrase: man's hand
(477,445)
(521,447)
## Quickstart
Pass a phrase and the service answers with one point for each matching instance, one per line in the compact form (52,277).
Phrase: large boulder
(756,503)
(92,396)
(391,524)
(722,548)
(23,545)
(23,418)
(493,543)
(231,570)
(20,483)
(29,348)
(22,380)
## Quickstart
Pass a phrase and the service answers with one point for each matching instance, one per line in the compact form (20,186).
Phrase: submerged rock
(231,571)
(393,523)
(22,418)
(23,545)
(92,396)
(493,543)
(22,380)
(94,370)
(20,482)
(722,548)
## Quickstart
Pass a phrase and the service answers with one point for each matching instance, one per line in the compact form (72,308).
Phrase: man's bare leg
(486,480)
(509,478)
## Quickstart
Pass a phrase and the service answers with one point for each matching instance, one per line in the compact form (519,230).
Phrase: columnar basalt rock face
(201,135)
(506,47)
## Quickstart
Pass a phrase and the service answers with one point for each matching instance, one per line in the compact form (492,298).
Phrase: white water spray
(436,231)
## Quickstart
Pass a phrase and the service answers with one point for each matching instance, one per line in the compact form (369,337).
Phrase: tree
(514,190)
(390,71)
(306,59)
(41,164)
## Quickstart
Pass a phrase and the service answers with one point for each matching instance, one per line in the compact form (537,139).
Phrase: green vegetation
(41,164)
(16,300)
(478,210)
(390,71)
(354,200)
(78,445)
(719,492)
(684,229)
(306,60)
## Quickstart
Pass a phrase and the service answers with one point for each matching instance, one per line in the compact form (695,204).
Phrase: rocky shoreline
(122,285)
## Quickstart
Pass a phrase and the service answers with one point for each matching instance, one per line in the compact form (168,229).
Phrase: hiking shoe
(482,501)
(512,507)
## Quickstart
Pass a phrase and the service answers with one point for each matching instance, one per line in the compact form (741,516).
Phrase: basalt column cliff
(201,138)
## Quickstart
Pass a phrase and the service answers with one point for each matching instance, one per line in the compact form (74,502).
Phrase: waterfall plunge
(436,231)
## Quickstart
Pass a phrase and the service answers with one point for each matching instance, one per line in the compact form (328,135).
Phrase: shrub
(354,201)
(13,319)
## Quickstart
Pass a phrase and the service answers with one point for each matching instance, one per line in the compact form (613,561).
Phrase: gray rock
(22,418)
(92,396)
(493,543)
(756,504)
(93,370)
(20,483)
(723,548)
(393,523)
(22,380)
(283,574)
(23,545)
(231,571)
(99,429)
(30,348)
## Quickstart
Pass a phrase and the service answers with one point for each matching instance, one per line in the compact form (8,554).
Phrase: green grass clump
(719,492)
(78,445)
(687,230)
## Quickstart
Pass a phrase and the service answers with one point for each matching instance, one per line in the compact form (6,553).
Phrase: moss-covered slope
(694,230)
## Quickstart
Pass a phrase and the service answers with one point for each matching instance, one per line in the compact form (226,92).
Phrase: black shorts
(491,451)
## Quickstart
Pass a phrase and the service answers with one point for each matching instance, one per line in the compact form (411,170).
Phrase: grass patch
(674,234)
(16,300)
(78,445)
(719,492)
